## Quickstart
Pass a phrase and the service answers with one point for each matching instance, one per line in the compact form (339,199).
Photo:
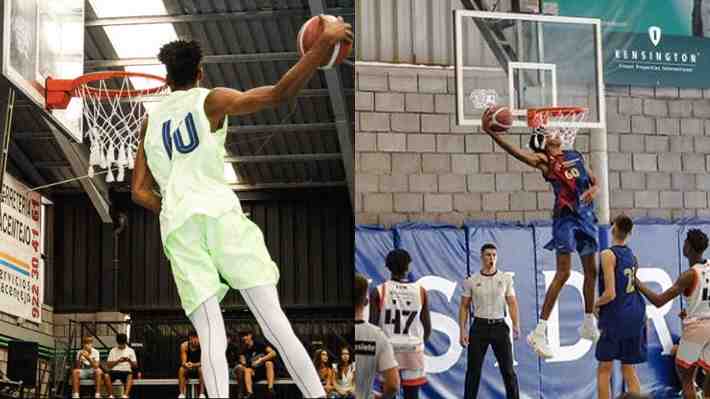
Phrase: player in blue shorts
(622,312)
(574,226)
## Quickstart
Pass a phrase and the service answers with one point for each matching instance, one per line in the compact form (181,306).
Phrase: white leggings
(264,303)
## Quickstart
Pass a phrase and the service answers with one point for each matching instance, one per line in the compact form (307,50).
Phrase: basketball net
(113,124)
(560,122)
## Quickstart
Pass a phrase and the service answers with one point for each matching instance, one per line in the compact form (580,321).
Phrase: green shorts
(205,248)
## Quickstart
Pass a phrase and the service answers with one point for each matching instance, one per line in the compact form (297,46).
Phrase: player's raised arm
(224,101)
(530,158)
(684,282)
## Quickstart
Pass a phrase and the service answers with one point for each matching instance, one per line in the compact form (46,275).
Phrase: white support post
(600,167)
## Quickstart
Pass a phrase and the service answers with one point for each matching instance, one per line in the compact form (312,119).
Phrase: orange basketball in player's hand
(309,34)
(497,119)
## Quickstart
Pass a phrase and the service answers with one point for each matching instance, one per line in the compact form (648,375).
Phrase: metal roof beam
(341,111)
(25,164)
(51,164)
(27,135)
(95,187)
(281,186)
(230,159)
(282,158)
(207,59)
(211,17)
(281,128)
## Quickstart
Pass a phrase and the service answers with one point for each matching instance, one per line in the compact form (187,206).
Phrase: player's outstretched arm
(142,180)
(530,158)
(425,317)
(608,264)
(224,101)
(684,282)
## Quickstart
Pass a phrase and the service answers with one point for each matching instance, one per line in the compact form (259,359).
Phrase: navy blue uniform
(574,225)
(622,321)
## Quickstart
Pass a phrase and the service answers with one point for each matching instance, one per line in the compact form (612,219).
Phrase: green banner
(651,42)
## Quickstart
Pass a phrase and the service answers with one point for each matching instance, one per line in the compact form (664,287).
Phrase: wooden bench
(191,383)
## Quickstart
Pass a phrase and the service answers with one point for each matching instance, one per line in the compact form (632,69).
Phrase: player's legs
(209,324)
(604,370)
(590,278)
(411,392)
(628,371)
(182,383)
(270,374)
(263,301)
(564,270)
(687,380)
(537,339)
(108,383)
(128,385)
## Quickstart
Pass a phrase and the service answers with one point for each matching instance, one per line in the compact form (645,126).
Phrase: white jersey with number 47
(699,298)
(400,310)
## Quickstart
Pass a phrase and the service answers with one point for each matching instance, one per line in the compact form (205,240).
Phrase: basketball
(308,36)
(498,119)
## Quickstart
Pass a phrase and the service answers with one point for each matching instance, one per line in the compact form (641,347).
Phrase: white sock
(541,327)
(264,303)
(209,324)
(589,317)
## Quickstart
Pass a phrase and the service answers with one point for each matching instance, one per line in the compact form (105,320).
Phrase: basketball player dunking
(400,308)
(574,223)
(204,232)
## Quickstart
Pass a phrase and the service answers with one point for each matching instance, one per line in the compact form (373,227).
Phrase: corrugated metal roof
(274,34)
(33,142)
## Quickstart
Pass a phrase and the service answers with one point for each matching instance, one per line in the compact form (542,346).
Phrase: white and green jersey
(187,160)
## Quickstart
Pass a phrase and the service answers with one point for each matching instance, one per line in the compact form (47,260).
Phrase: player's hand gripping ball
(496,120)
(335,28)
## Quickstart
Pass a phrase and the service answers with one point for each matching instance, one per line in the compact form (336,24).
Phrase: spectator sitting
(344,376)
(121,363)
(233,354)
(190,366)
(320,360)
(258,363)
(86,367)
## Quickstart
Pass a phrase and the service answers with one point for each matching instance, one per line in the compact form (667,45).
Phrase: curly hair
(182,60)
(397,261)
(697,240)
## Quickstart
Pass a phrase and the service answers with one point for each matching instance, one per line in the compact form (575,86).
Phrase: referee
(489,291)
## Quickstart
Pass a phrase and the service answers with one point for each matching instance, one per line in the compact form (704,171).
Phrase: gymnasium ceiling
(247,43)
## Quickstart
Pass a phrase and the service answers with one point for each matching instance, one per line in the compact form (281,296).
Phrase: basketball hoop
(559,121)
(114,113)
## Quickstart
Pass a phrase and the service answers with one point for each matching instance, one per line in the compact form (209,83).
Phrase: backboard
(43,38)
(525,61)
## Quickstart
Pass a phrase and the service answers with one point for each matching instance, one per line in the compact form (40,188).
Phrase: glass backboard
(43,38)
(525,61)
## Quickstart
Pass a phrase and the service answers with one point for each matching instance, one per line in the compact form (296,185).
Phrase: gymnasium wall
(414,163)
(309,234)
